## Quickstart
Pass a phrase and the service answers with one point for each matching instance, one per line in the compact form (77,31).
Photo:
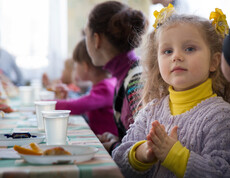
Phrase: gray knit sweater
(204,130)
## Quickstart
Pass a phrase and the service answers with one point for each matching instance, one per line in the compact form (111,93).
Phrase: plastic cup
(26,95)
(37,85)
(47,95)
(56,124)
(43,106)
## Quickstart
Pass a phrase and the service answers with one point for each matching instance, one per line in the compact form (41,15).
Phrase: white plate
(79,154)
(4,141)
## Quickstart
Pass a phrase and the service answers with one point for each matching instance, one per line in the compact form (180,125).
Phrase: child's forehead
(179,26)
(183,29)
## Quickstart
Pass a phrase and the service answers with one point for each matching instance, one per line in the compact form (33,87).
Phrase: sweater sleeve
(99,96)
(136,164)
(176,160)
(136,132)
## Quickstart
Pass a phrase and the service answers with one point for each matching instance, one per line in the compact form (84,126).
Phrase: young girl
(183,130)
(98,103)
(113,31)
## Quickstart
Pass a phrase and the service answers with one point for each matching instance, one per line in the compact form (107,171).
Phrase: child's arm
(176,156)
(98,97)
(142,148)
(136,133)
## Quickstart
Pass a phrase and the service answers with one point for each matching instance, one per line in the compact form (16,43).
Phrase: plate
(4,141)
(79,154)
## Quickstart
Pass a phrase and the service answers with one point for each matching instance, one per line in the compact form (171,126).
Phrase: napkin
(8,153)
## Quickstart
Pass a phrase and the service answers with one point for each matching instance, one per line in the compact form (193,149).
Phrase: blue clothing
(9,68)
(226,48)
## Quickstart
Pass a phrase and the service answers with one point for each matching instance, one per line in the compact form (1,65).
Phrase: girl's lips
(178,69)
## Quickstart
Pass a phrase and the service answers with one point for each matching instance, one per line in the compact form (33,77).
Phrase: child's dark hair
(80,54)
(121,25)
(155,86)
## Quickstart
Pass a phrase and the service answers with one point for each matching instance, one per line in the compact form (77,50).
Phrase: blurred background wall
(41,34)
(78,11)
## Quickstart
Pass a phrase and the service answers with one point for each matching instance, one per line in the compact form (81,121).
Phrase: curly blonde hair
(154,85)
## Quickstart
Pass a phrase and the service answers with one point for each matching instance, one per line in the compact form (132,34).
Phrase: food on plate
(56,151)
(36,150)
(26,151)
(5,108)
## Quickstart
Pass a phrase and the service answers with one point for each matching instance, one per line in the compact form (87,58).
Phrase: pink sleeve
(100,96)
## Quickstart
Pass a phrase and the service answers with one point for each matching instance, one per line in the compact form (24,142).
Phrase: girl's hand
(107,139)
(145,152)
(161,142)
(61,91)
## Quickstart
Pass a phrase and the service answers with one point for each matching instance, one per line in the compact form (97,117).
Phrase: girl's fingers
(155,139)
(155,149)
(148,137)
(160,132)
(162,126)
(174,132)
(154,123)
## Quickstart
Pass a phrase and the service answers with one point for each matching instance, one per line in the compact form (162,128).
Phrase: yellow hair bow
(161,16)
(219,22)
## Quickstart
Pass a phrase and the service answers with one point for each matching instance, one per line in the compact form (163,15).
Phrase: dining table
(101,165)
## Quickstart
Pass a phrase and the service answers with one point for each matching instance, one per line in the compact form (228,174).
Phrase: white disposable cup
(37,90)
(47,95)
(26,95)
(43,106)
(56,124)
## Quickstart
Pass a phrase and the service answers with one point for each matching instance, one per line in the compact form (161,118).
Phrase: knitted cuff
(113,146)
(226,48)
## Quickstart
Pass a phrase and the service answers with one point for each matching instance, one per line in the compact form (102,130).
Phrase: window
(34,32)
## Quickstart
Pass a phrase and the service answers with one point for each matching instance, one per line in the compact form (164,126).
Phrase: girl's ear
(215,62)
(97,40)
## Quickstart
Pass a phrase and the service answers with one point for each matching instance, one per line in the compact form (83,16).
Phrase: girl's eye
(190,49)
(168,51)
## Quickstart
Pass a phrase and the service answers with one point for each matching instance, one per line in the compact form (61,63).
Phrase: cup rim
(44,102)
(53,112)
(46,92)
(25,88)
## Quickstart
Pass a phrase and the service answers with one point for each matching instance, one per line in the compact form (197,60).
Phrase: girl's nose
(177,56)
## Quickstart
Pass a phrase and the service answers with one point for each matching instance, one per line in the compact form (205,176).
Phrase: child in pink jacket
(98,104)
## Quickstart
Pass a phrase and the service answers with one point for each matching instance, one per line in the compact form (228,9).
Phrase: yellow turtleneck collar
(182,101)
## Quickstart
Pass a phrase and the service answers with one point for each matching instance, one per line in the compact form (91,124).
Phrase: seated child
(66,81)
(183,129)
(98,103)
